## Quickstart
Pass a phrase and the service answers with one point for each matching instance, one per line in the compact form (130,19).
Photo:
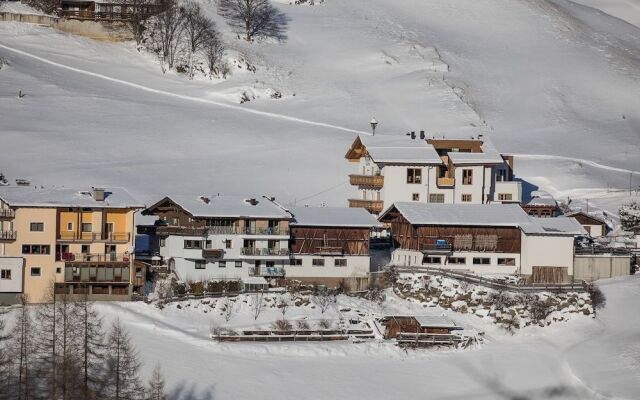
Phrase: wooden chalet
(594,225)
(110,10)
(422,330)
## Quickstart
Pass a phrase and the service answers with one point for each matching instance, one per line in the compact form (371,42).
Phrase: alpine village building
(483,239)
(418,169)
(259,242)
(78,241)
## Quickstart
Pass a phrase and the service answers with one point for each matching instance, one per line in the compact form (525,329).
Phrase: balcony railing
(92,257)
(439,248)
(251,251)
(372,181)
(267,271)
(7,213)
(214,230)
(373,206)
(103,273)
(445,181)
(8,236)
(94,237)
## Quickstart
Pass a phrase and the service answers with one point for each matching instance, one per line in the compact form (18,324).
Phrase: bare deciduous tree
(23,346)
(228,308)
(46,6)
(166,31)
(197,28)
(254,18)
(283,304)
(138,13)
(214,55)
(256,305)
(324,298)
(91,346)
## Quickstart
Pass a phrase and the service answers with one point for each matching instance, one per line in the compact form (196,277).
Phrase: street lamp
(373,123)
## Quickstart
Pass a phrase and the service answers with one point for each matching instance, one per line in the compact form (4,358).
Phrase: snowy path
(180,96)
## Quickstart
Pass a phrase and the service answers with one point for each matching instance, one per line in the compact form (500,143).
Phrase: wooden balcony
(373,206)
(8,236)
(111,237)
(97,274)
(329,251)
(446,182)
(251,251)
(369,181)
(436,248)
(93,258)
(6,214)
(212,253)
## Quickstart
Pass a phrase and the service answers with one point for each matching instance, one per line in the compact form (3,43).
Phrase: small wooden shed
(424,324)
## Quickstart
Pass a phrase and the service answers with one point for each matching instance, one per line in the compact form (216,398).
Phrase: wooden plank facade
(329,241)
(457,238)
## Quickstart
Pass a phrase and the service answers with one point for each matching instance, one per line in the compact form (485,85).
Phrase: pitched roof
(226,206)
(333,216)
(543,201)
(28,196)
(428,321)
(595,218)
(461,214)
(397,149)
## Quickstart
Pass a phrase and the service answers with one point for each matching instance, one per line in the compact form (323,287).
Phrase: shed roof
(428,321)
(333,216)
(554,226)
(30,196)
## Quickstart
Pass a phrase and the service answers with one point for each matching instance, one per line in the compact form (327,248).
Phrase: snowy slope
(581,359)
(547,78)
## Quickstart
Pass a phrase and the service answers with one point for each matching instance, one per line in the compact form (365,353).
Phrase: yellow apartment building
(77,241)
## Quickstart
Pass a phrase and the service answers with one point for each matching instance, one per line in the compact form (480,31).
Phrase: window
(222,264)
(505,196)
(457,260)
(36,249)
(432,260)
(86,227)
(466,198)
(36,227)
(5,274)
(507,261)
(84,249)
(436,198)
(297,261)
(58,270)
(238,264)
(227,243)
(340,262)
(415,197)
(414,175)
(481,260)
(207,244)
(70,226)
(163,242)
(318,262)
(545,212)
(193,244)
(467,176)
(201,264)
(35,271)
(501,175)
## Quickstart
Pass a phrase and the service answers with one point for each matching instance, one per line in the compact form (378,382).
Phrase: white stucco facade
(497,263)
(11,274)
(546,251)
(355,266)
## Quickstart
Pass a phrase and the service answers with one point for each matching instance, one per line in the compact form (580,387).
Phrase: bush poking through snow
(630,215)
(598,300)
(283,304)
(228,308)
(324,298)
(376,294)
(302,325)
(324,324)
(282,325)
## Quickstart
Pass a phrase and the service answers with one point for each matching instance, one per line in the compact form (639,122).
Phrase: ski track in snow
(578,160)
(181,96)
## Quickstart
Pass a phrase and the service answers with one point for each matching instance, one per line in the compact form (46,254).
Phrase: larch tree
(155,386)
(121,374)
(68,347)
(92,345)
(254,18)
(22,346)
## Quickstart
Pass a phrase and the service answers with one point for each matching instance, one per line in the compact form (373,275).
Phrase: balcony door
(110,252)
(108,230)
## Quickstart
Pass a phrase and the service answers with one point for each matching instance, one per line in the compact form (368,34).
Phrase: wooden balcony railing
(437,248)
(371,181)
(327,250)
(97,274)
(445,181)
(7,213)
(373,206)
(251,251)
(212,253)
(8,236)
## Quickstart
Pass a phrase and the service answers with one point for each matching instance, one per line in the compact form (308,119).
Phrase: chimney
(422,135)
(98,194)
(253,202)
(205,199)
(413,135)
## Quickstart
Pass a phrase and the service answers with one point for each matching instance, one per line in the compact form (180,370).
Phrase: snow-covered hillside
(542,78)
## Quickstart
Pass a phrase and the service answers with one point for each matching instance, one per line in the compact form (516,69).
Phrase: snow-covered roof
(488,155)
(435,322)
(229,206)
(462,214)
(333,216)
(28,196)
(543,201)
(389,149)
(598,218)
(554,226)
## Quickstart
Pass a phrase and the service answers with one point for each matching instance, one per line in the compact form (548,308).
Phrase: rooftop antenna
(373,124)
